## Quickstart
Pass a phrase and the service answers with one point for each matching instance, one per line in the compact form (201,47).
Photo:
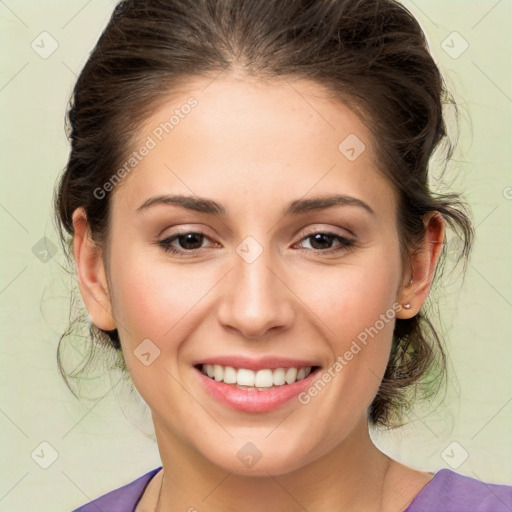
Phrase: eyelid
(185,230)
(328,230)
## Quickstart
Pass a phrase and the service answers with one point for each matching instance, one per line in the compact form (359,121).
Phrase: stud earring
(407,306)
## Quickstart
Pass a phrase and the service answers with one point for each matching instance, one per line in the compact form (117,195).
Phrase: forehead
(260,140)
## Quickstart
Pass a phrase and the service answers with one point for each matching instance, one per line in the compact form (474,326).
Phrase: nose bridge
(255,298)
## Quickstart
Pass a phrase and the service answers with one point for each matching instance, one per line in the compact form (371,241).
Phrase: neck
(350,477)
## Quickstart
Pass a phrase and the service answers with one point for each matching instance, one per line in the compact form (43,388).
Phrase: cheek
(352,298)
(151,298)
(358,304)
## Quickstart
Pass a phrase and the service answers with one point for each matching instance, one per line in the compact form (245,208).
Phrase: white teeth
(229,375)
(279,375)
(218,372)
(265,378)
(291,375)
(245,377)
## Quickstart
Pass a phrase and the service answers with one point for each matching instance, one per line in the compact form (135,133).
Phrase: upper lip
(259,363)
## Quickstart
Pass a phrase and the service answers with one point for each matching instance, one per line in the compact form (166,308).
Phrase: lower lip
(249,400)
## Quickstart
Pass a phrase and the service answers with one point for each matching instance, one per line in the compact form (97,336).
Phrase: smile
(268,385)
(245,378)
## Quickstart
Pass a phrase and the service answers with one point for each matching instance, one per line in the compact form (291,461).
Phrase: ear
(91,273)
(423,265)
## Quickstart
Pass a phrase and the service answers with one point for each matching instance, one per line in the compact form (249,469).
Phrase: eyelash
(345,243)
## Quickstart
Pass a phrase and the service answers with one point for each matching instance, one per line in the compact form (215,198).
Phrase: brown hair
(370,54)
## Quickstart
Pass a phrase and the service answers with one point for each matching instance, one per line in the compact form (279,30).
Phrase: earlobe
(423,265)
(91,273)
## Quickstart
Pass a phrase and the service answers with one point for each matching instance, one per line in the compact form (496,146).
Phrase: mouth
(257,380)
(259,389)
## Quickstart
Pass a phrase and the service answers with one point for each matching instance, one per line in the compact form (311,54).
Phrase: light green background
(98,448)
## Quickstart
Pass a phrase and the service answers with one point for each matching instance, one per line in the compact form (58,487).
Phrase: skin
(254,147)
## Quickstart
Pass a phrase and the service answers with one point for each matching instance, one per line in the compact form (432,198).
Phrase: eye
(321,242)
(188,242)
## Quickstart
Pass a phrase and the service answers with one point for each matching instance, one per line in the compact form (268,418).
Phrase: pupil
(189,238)
(317,238)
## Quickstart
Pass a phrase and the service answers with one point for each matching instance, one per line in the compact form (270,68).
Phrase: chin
(259,458)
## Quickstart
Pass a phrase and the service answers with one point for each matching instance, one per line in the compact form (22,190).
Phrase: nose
(256,298)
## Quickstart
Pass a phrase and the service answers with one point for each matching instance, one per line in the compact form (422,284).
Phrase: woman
(248,205)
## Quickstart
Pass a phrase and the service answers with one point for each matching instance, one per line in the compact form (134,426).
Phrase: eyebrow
(203,205)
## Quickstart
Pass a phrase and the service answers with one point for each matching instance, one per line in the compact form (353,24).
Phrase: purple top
(448,491)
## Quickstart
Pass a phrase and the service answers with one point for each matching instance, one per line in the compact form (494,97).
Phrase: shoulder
(453,492)
(123,499)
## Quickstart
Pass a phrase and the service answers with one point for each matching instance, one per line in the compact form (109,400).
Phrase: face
(265,278)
